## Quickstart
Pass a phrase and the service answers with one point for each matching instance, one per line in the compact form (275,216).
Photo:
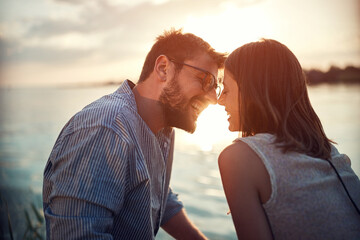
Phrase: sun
(212,133)
(232,26)
(227,29)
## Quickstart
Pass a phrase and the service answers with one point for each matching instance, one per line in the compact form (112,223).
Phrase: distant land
(92,84)
(335,75)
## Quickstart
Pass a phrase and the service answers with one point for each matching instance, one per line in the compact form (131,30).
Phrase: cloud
(14,53)
(110,28)
(72,1)
(52,55)
(105,15)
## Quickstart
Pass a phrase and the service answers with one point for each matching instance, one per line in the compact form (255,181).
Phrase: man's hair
(179,46)
(273,98)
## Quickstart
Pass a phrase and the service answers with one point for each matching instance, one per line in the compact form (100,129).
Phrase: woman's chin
(232,128)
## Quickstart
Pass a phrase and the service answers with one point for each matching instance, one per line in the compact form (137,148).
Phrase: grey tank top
(307,199)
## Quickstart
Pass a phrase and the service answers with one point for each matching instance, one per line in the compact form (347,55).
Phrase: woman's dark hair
(179,46)
(273,98)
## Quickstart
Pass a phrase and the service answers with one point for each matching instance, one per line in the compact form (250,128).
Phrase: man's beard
(176,107)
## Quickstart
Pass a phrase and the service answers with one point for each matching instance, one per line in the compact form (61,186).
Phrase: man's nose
(220,101)
(211,96)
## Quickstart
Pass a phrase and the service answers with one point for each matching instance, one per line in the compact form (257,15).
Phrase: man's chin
(189,127)
(191,130)
(180,119)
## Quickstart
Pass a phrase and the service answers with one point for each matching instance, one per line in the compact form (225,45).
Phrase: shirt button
(165,145)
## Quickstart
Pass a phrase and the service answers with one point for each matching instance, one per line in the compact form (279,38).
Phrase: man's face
(183,98)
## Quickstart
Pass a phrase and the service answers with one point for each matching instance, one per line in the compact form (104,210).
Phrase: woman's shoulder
(238,155)
(240,163)
(259,138)
(237,149)
(260,143)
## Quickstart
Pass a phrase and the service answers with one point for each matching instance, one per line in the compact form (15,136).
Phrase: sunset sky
(54,42)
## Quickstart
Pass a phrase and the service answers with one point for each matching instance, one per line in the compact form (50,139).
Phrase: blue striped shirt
(108,175)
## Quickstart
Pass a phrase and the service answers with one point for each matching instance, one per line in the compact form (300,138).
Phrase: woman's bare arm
(247,185)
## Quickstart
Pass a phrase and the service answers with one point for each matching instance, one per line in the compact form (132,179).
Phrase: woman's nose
(220,100)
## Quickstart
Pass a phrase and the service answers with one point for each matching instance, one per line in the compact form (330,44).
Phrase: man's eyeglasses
(209,81)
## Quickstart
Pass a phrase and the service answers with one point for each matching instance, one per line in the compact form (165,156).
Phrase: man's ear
(161,68)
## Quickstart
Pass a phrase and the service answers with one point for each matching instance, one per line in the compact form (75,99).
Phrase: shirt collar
(125,89)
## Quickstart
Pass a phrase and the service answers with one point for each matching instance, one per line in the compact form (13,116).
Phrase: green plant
(33,229)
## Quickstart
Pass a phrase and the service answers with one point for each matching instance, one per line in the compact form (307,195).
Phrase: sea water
(31,119)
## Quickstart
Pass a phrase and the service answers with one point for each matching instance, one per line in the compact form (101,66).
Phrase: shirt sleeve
(85,181)
(173,206)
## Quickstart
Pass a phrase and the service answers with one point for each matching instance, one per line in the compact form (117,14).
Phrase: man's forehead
(199,56)
(204,61)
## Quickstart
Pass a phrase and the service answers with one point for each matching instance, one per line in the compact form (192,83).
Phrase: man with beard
(108,174)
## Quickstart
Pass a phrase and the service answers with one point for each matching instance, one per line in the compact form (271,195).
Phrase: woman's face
(229,98)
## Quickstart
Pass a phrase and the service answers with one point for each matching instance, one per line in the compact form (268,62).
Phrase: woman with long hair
(283,178)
